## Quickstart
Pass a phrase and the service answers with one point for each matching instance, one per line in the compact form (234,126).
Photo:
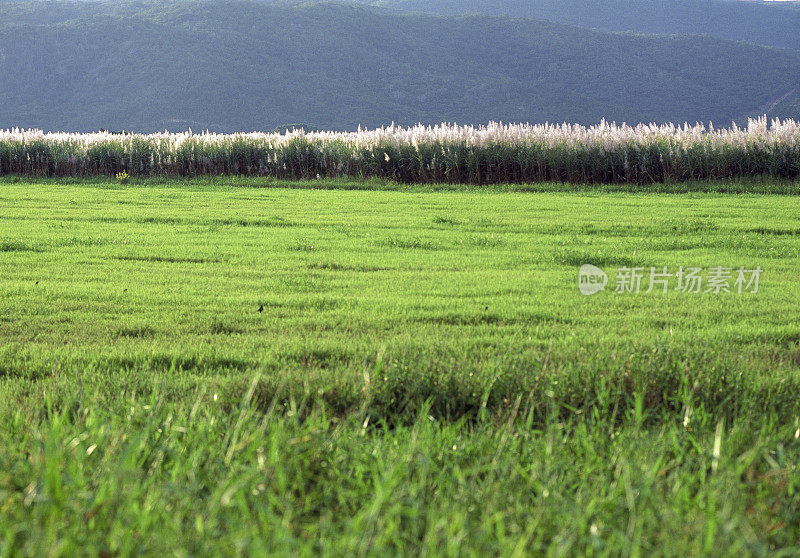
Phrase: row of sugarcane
(496,153)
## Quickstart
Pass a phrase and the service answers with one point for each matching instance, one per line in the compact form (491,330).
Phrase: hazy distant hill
(246,66)
(766,23)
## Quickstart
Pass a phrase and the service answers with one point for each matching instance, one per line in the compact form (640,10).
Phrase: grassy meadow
(200,367)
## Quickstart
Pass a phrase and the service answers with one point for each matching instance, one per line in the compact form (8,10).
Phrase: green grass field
(195,368)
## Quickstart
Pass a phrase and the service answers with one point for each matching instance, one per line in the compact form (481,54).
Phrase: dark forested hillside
(247,66)
(774,24)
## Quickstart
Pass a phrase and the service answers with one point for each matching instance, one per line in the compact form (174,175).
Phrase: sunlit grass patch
(408,243)
(192,368)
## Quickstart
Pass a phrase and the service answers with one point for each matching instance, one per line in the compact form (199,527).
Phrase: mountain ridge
(243,66)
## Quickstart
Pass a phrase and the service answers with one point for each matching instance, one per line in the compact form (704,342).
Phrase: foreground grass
(208,368)
(126,474)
